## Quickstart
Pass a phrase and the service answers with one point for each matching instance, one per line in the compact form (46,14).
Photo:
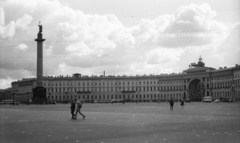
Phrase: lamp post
(28,95)
(233,93)
(49,98)
(66,92)
(202,90)
(222,95)
(13,96)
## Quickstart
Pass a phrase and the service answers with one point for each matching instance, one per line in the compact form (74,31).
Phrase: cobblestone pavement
(121,123)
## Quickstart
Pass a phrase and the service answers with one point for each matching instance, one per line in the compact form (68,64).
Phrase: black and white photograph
(119,71)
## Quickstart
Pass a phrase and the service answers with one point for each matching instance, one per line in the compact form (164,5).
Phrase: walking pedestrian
(79,106)
(182,103)
(73,107)
(171,102)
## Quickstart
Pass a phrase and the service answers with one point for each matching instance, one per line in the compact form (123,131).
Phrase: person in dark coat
(182,103)
(73,107)
(171,102)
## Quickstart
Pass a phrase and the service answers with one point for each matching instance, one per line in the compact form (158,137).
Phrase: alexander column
(40,41)
(39,92)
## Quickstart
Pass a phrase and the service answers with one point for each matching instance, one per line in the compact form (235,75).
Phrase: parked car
(116,101)
(226,99)
(207,99)
(187,100)
(216,101)
(223,99)
(102,101)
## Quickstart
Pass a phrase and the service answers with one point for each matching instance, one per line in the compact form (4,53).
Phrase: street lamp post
(202,90)
(233,92)
(222,95)
(28,93)
(28,96)
(49,97)
(66,94)
(13,95)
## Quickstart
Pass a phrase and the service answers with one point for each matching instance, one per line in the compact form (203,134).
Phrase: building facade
(194,83)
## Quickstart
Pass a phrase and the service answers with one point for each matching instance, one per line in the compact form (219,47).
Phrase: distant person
(171,102)
(79,106)
(73,107)
(182,103)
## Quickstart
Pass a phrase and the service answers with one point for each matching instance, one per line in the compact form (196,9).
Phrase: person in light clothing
(79,106)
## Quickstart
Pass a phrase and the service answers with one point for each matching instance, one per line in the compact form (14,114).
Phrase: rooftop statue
(40,28)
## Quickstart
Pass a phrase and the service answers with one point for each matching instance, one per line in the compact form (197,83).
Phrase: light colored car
(216,101)
(207,99)
(116,101)
(187,100)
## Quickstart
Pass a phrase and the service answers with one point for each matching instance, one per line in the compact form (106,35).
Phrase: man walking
(182,103)
(73,106)
(171,102)
(79,106)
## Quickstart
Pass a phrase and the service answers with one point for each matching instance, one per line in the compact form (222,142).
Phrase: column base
(39,95)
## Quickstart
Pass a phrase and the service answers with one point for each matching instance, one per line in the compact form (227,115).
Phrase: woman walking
(79,106)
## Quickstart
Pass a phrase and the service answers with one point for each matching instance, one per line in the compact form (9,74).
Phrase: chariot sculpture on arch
(199,64)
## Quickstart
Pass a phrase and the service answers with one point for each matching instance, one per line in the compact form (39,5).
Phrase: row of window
(226,84)
(214,84)
(100,83)
(143,88)
(113,89)
(228,77)
(237,75)
(92,83)
(110,97)
(222,94)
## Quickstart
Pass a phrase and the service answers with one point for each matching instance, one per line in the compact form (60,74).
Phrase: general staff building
(194,83)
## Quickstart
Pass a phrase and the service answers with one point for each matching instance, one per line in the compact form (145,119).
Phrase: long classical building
(194,83)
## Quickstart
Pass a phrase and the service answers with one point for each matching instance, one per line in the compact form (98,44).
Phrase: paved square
(122,123)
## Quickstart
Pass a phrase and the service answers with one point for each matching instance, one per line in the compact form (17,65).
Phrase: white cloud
(22,47)
(6,83)
(2,17)
(6,31)
(194,25)
(24,22)
(191,25)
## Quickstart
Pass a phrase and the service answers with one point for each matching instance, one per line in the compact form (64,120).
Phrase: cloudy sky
(120,37)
